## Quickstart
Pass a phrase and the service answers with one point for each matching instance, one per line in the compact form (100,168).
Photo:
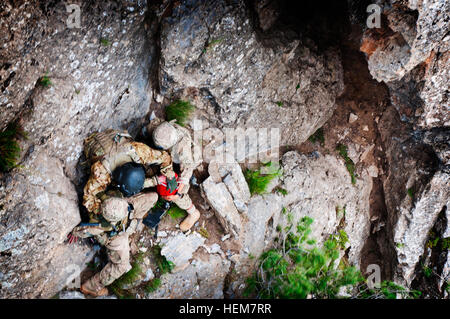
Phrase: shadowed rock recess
(298,66)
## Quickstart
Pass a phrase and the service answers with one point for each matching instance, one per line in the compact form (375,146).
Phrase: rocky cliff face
(243,64)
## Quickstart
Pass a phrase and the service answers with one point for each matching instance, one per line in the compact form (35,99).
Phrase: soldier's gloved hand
(172,184)
(72,238)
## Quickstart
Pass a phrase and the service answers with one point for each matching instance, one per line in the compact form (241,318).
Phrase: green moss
(180,111)
(258,181)
(9,147)
(318,136)
(342,150)
(280,104)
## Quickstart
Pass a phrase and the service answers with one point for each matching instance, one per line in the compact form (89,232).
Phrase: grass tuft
(176,212)
(258,181)
(342,149)
(165,266)
(152,285)
(180,111)
(9,147)
(128,278)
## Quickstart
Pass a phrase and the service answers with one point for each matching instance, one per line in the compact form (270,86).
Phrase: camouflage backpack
(99,144)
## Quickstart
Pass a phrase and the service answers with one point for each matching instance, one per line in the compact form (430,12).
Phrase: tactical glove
(172,184)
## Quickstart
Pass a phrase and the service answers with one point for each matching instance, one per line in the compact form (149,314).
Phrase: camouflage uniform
(117,245)
(177,140)
(111,149)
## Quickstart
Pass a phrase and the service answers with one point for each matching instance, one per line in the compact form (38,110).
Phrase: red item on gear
(162,190)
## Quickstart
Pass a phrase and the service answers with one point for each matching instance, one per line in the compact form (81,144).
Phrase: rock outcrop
(278,79)
(99,76)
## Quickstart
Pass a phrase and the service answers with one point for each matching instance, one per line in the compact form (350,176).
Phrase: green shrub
(318,136)
(342,149)
(180,111)
(298,268)
(258,180)
(292,270)
(9,147)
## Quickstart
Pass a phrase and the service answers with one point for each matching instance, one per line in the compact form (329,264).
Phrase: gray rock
(179,249)
(221,201)
(205,279)
(413,40)
(410,232)
(320,188)
(201,39)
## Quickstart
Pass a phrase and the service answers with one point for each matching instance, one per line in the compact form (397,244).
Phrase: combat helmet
(129,178)
(165,135)
(114,209)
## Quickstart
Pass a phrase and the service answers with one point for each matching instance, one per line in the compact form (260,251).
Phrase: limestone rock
(320,188)
(201,39)
(221,201)
(410,231)
(413,40)
(179,249)
(203,279)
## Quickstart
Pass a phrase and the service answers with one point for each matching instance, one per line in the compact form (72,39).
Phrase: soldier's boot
(93,287)
(190,220)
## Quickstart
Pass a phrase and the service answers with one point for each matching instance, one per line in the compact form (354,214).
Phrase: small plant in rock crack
(342,150)
(259,179)
(211,44)
(165,266)
(105,42)
(180,111)
(45,81)
(9,147)
(318,136)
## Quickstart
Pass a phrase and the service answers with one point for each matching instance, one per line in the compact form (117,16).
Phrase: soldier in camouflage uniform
(111,149)
(177,140)
(119,219)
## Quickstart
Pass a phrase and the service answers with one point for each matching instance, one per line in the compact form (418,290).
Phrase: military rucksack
(99,144)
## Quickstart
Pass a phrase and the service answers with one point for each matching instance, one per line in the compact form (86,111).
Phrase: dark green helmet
(129,178)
